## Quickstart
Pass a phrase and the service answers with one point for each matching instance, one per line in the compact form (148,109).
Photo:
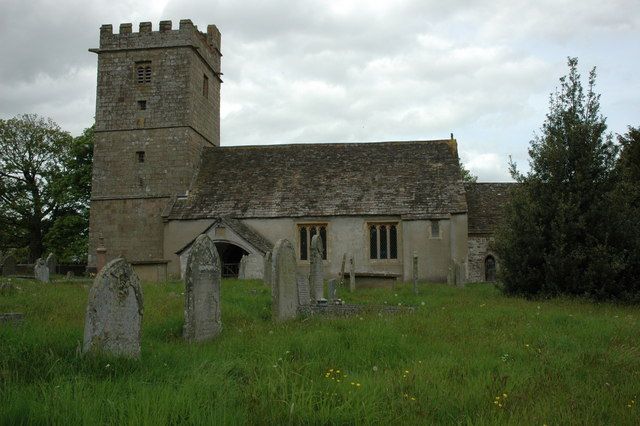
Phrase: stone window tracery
(383,240)
(306,232)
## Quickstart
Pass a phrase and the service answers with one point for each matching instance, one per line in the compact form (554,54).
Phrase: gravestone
(52,263)
(267,269)
(251,267)
(69,275)
(41,271)
(7,289)
(352,275)
(344,261)
(9,264)
(333,295)
(202,291)
(304,297)
(415,273)
(316,273)
(114,313)
(284,293)
(242,267)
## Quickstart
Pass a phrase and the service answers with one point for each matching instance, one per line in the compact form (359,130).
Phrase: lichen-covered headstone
(202,291)
(114,313)
(267,269)
(251,267)
(41,271)
(284,293)
(316,273)
(52,263)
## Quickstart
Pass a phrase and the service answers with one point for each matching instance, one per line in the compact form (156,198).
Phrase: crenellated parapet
(186,35)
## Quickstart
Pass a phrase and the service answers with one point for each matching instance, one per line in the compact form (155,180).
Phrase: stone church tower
(157,106)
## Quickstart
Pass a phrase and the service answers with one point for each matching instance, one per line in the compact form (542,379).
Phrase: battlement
(187,34)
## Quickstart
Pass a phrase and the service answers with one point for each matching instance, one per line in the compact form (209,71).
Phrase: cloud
(348,70)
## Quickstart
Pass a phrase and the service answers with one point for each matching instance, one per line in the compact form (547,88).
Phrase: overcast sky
(299,71)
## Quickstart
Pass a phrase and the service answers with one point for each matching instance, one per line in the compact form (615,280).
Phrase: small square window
(140,155)
(435,229)
(142,105)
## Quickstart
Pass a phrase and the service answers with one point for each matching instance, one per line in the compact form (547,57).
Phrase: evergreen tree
(556,238)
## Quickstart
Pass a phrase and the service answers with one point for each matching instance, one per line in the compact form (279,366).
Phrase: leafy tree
(556,238)
(42,179)
(467,176)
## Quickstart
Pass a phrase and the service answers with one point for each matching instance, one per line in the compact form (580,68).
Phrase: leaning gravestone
(52,263)
(284,293)
(41,271)
(202,291)
(267,269)
(114,312)
(316,274)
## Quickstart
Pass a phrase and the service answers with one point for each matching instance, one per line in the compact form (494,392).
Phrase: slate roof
(486,202)
(413,179)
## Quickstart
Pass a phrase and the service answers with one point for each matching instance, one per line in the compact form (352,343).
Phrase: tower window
(140,156)
(205,86)
(143,72)
(142,105)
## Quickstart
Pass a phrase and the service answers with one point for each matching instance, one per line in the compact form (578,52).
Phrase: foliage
(557,362)
(557,236)
(44,178)
(467,176)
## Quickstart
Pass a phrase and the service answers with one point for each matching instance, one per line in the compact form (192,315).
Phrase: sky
(312,71)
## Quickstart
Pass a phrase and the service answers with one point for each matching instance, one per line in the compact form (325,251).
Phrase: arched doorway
(230,255)
(489,268)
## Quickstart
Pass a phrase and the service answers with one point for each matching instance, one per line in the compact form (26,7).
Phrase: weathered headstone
(267,269)
(9,263)
(242,267)
(344,261)
(283,275)
(352,275)
(304,297)
(415,273)
(7,289)
(316,272)
(202,291)
(114,312)
(251,267)
(69,275)
(41,271)
(52,263)
(332,289)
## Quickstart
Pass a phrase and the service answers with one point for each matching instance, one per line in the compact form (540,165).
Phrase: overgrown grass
(558,361)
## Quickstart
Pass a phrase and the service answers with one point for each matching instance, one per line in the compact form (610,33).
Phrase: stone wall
(480,246)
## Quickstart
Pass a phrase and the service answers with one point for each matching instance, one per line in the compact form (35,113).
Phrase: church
(160,179)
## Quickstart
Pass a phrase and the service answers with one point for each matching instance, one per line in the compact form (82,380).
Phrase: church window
(383,241)
(435,229)
(306,233)
(143,72)
(140,156)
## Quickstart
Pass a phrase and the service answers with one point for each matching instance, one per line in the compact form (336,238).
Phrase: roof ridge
(315,144)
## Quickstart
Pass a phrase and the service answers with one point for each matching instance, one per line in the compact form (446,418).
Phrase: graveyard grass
(465,356)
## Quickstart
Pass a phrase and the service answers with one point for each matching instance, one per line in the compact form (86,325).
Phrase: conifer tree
(556,237)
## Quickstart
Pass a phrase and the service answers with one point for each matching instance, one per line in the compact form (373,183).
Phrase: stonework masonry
(157,107)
